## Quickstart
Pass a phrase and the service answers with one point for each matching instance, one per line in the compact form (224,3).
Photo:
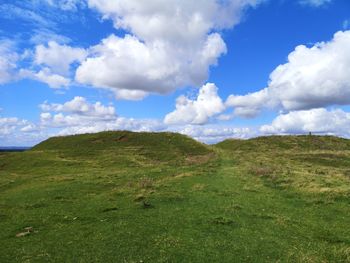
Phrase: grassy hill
(162,147)
(163,197)
(296,143)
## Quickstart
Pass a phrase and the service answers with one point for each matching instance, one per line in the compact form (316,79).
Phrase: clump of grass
(27,231)
(347,173)
(198,187)
(223,221)
(109,209)
(146,183)
(146,204)
(262,171)
(139,198)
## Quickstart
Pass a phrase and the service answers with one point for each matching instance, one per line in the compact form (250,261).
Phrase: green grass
(163,197)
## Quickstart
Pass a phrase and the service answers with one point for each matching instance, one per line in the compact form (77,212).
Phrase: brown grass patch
(200,159)
(262,171)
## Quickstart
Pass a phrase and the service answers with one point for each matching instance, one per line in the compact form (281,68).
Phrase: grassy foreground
(148,197)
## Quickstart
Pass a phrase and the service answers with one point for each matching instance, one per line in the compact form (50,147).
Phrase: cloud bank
(319,121)
(313,77)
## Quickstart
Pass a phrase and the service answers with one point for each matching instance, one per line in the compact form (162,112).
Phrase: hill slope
(305,163)
(162,197)
(163,146)
(297,143)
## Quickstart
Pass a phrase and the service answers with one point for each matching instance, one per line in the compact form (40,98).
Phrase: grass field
(163,197)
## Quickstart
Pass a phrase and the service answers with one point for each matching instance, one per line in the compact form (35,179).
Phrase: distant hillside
(300,142)
(159,146)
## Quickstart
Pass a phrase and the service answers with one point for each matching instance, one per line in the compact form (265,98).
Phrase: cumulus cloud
(119,123)
(8,125)
(313,77)
(319,121)
(197,111)
(15,131)
(249,105)
(58,57)
(216,133)
(82,123)
(125,94)
(170,44)
(45,75)
(51,63)
(80,106)
(130,64)
(19,132)
(174,20)
(80,116)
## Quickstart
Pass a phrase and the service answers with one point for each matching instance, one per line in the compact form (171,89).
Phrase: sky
(210,69)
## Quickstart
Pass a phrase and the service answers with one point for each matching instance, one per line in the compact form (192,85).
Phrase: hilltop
(163,146)
(110,140)
(287,142)
(164,197)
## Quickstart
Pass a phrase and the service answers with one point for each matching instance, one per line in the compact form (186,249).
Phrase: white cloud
(171,43)
(125,94)
(319,121)
(15,131)
(198,111)
(8,61)
(80,116)
(53,80)
(18,132)
(315,3)
(45,75)
(80,106)
(174,20)
(216,133)
(248,105)
(54,63)
(120,123)
(8,125)
(346,24)
(58,57)
(313,77)
(30,128)
(129,64)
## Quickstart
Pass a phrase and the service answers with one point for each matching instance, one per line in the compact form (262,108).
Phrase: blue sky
(209,69)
